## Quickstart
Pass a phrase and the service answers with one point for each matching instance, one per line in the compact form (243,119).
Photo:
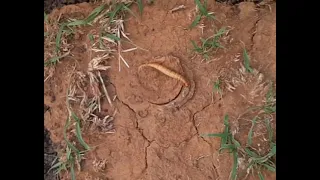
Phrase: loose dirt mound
(158,122)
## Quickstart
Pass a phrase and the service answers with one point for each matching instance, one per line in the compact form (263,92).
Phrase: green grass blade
(54,60)
(269,129)
(216,86)
(113,37)
(60,168)
(247,61)
(206,42)
(273,151)
(96,11)
(140,6)
(226,129)
(231,147)
(73,175)
(45,17)
(68,153)
(58,37)
(269,109)
(252,163)
(77,23)
(78,132)
(235,142)
(251,153)
(270,93)
(220,32)
(270,168)
(70,145)
(251,130)
(218,45)
(226,120)
(221,135)
(196,47)
(261,160)
(211,16)
(58,164)
(202,8)
(94,14)
(260,176)
(113,13)
(79,136)
(129,10)
(206,56)
(272,144)
(235,166)
(90,36)
(195,22)
(101,45)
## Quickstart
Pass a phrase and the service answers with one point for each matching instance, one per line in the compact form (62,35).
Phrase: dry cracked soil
(158,122)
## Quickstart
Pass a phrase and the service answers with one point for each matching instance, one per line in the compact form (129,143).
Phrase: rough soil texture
(49,5)
(49,156)
(154,139)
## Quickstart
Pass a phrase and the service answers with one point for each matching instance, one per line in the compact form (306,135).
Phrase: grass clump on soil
(207,45)
(73,155)
(217,87)
(67,28)
(101,43)
(111,28)
(255,161)
(230,143)
(73,23)
(203,13)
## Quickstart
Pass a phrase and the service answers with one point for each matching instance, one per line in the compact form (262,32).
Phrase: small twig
(124,61)
(104,89)
(119,50)
(177,8)
(128,50)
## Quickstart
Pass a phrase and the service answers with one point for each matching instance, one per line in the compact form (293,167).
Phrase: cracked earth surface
(153,141)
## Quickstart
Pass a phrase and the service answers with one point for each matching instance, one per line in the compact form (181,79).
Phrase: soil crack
(136,121)
(140,130)
(254,32)
(211,149)
(194,123)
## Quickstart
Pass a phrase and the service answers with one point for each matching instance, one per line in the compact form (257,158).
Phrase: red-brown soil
(152,140)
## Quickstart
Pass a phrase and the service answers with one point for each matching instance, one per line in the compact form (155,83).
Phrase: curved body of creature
(167,72)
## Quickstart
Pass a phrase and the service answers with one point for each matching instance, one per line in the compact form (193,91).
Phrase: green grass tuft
(230,143)
(203,12)
(73,154)
(196,21)
(255,161)
(207,45)
(86,21)
(254,121)
(217,86)
(54,60)
(247,61)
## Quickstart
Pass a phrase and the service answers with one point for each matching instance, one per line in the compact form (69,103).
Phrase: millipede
(166,71)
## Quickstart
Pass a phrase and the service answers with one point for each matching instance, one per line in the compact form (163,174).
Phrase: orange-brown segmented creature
(166,71)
